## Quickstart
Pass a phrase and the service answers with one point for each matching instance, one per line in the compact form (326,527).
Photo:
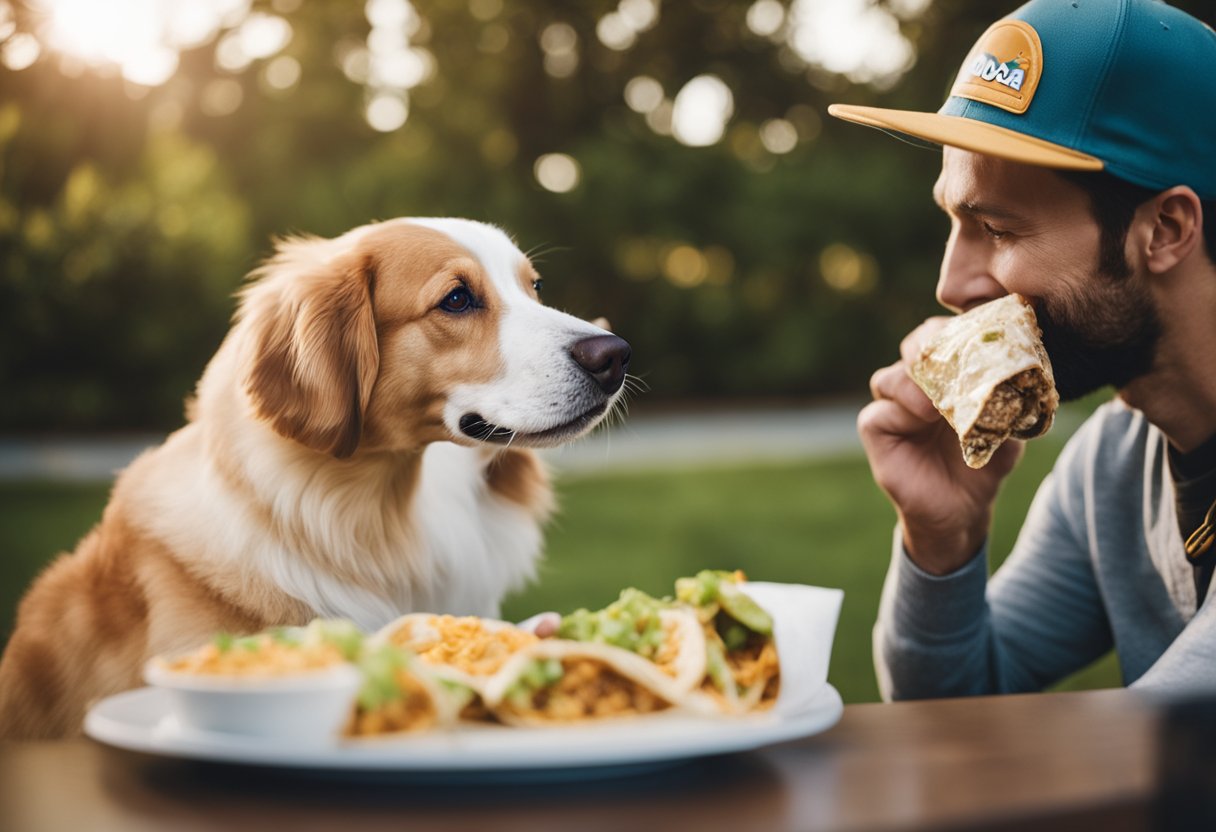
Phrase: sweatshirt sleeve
(1188,666)
(1040,618)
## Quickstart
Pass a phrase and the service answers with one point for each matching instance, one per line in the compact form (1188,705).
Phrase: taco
(401,694)
(463,651)
(742,668)
(987,373)
(557,682)
(475,648)
(666,634)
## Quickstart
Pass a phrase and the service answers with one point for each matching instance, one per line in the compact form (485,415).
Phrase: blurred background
(671,165)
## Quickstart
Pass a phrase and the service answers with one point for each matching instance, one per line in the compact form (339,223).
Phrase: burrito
(988,374)
(742,670)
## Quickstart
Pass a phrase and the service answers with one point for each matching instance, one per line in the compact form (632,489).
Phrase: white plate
(139,720)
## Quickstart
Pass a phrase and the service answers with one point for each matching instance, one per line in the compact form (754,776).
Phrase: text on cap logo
(1003,68)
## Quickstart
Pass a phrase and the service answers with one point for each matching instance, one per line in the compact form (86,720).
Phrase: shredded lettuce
(536,675)
(631,622)
(379,669)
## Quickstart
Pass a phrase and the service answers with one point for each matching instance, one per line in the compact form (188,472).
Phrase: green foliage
(128,216)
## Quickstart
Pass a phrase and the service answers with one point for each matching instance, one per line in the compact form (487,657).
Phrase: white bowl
(300,709)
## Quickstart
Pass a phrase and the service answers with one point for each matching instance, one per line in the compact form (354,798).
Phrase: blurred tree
(672,166)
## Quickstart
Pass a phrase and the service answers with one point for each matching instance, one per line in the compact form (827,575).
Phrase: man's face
(1019,228)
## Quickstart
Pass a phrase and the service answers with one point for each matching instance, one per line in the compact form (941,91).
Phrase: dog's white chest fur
(482,545)
(456,548)
(363,544)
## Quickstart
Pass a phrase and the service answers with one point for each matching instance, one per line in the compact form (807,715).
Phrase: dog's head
(417,330)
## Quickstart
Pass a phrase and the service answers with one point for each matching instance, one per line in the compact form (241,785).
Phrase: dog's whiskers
(619,411)
(539,251)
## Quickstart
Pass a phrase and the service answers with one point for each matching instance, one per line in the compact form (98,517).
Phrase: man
(1079,170)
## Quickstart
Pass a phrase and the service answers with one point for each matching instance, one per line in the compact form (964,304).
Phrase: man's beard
(1105,335)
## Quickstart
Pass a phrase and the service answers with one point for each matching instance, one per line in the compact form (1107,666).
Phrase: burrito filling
(987,373)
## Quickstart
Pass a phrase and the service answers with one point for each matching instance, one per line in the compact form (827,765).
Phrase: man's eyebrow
(987,210)
(974,209)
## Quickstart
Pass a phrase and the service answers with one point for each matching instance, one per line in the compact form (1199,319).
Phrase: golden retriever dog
(358,447)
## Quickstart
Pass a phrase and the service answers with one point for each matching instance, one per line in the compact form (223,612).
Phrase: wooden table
(1044,761)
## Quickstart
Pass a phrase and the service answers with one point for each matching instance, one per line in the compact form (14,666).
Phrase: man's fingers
(894,384)
(883,420)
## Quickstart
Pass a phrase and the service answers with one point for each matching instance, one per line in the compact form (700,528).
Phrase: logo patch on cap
(1003,68)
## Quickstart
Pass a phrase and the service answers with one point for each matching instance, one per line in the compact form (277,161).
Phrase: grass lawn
(822,522)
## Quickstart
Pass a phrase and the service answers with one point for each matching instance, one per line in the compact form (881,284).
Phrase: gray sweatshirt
(1098,564)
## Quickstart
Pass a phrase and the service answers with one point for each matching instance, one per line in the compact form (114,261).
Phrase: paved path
(684,439)
(714,438)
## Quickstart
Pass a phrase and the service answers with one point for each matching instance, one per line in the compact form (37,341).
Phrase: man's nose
(966,278)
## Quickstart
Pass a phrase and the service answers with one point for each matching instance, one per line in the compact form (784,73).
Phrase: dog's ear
(315,354)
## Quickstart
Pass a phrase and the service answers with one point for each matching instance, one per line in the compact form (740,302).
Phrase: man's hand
(945,507)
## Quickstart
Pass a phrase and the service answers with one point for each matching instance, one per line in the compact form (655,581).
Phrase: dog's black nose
(605,358)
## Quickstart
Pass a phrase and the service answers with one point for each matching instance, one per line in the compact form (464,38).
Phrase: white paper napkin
(804,626)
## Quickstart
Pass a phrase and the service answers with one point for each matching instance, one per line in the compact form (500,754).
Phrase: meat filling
(589,689)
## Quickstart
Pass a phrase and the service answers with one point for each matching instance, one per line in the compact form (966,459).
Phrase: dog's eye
(537,285)
(457,300)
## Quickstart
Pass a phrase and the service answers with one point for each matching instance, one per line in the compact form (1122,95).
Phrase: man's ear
(1177,227)
(314,352)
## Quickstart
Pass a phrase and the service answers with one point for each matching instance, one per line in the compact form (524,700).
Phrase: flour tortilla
(462,649)
(639,677)
(988,374)
(683,659)
(424,699)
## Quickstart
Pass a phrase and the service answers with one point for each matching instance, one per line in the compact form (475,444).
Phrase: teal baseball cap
(1125,86)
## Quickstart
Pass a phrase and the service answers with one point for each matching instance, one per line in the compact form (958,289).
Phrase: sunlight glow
(263,35)
(685,266)
(847,270)
(619,29)
(8,23)
(559,41)
(282,73)
(387,112)
(557,172)
(701,110)
(643,94)
(388,65)
(140,39)
(764,17)
(19,52)
(854,38)
(778,136)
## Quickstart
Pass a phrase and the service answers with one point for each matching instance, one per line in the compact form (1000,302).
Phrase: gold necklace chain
(1203,537)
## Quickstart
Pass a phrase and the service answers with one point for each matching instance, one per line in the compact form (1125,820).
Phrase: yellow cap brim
(969,134)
